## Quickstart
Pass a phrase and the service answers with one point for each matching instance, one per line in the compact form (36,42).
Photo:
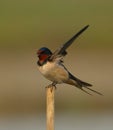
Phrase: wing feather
(62,50)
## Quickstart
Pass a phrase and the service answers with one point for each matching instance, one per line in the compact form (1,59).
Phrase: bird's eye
(40,52)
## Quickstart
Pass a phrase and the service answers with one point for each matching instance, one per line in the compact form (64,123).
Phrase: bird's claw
(52,86)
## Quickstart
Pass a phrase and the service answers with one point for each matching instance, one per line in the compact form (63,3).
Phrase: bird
(52,67)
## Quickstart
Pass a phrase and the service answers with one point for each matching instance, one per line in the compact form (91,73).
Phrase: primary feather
(62,50)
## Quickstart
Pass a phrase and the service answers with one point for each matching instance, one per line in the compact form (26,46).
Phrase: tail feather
(85,91)
(95,91)
(81,84)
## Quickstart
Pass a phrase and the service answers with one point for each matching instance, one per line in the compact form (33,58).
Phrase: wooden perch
(50,107)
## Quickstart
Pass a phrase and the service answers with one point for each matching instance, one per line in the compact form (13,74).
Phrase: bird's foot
(52,86)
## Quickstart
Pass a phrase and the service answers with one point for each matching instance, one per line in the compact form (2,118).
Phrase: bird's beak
(38,53)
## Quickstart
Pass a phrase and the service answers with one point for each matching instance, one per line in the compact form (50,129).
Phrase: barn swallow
(51,66)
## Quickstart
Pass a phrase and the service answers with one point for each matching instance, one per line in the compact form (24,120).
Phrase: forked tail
(81,84)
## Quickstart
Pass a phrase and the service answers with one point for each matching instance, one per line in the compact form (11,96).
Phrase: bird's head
(43,53)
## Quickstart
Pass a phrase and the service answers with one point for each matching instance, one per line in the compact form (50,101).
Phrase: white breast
(54,72)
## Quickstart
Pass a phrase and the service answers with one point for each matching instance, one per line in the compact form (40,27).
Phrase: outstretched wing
(62,50)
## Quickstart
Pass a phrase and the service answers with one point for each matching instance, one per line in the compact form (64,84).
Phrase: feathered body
(51,66)
(54,71)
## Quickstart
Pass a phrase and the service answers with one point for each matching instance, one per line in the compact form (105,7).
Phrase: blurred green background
(27,25)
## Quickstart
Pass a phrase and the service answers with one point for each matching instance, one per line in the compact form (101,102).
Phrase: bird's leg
(53,85)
